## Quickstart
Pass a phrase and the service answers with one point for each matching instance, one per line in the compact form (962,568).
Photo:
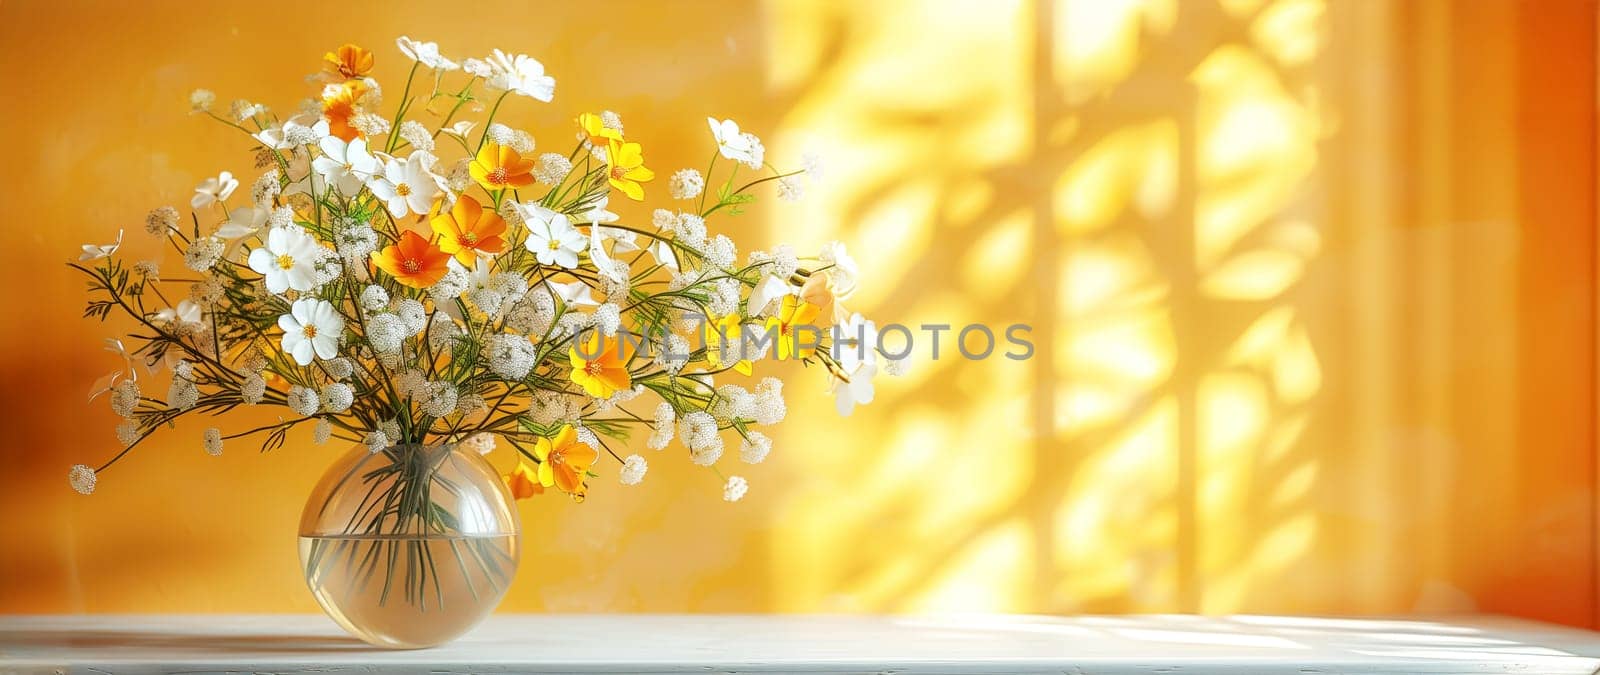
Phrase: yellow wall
(1311,284)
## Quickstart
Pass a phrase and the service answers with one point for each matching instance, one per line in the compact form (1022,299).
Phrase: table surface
(812,644)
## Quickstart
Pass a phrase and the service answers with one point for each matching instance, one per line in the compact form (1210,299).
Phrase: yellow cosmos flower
(596,131)
(563,462)
(784,328)
(349,61)
(601,367)
(714,332)
(625,168)
(498,167)
(466,230)
(524,481)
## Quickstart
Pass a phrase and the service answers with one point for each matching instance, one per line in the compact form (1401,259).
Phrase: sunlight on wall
(1122,187)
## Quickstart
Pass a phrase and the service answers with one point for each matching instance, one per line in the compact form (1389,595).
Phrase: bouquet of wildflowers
(401,275)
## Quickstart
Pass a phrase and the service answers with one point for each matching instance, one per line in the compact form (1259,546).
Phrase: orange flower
(564,462)
(350,61)
(339,107)
(498,167)
(524,481)
(414,261)
(601,367)
(467,230)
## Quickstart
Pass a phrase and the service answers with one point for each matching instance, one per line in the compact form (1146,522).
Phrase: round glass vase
(411,546)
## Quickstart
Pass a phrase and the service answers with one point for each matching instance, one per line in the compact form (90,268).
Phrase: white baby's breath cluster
(403,269)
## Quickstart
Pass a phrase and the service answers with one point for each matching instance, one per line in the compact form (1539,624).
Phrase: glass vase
(411,546)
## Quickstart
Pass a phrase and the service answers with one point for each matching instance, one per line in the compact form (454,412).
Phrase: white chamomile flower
(98,251)
(288,260)
(407,186)
(425,53)
(213,190)
(551,237)
(343,165)
(311,330)
(520,74)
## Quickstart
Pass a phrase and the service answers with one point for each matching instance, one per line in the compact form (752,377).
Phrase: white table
(1179,645)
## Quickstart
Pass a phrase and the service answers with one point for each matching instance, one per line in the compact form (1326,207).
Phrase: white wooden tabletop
(811,644)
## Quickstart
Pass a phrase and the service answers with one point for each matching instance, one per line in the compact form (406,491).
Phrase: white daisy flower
(345,165)
(425,53)
(311,330)
(551,237)
(520,74)
(407,186)
(736,145)
(289,260)
(243,222)
(98,251)
(213,190)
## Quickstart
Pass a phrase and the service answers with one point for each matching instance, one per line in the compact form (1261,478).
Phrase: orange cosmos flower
(350,61)
(563,461)
(625,168)
(784,328)
(524,481)
(498,167)
(601,366)
(339,107)
(467,230)
(414,261)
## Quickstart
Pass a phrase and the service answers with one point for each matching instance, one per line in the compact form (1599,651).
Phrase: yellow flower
(729,328)
(598,134)
(350,61)
(524,481)
(498,167)
(785,328)
(467,230)
(625,168)
(601,367)
(563,461)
